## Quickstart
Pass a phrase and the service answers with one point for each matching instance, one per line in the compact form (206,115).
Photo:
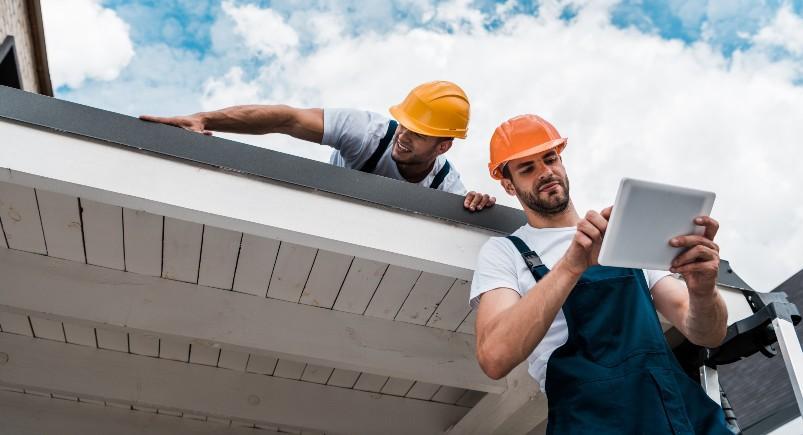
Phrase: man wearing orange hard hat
(409,148)
(590,333)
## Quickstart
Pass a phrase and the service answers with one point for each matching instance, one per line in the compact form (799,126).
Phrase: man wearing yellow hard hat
(409,148)
(590,333)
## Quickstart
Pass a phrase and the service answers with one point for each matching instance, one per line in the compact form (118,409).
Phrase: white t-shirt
(355,135)
(500,265)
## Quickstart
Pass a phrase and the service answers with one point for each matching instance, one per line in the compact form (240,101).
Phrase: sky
(699,93)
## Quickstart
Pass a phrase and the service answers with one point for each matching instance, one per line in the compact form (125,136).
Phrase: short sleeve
(354,133)
(496,268)
(653,276)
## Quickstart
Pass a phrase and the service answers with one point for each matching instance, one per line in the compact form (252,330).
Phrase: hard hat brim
(420,128)
(560,143)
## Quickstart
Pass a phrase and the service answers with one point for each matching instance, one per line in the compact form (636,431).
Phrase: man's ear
(444,145)
(508,186)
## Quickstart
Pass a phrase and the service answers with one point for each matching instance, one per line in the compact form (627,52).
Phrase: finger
(692,241)
(151,118)
(695,255)
(583,240)
(469,199)
(710,224)
(606,212)
(491,201)
(476,201)
(589,230)
(483,201)
(706,267)
(597,220)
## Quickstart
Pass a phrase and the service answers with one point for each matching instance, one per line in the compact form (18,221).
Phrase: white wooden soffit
(28,414)
(156,383)
(141,181)
(97,296)
(517,411)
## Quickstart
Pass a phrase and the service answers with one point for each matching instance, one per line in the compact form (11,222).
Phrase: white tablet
(645,217)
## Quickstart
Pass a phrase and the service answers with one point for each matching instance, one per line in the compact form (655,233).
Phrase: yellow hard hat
(437,109)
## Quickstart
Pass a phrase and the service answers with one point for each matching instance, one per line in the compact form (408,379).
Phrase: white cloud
(263,30)
(632,104)
(84,41)
(785,31)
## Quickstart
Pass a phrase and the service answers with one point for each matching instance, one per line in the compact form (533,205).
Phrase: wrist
(574,272)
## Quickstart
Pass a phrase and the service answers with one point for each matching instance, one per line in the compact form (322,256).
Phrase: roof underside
(167,272)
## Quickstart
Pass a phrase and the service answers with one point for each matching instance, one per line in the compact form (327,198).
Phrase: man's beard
(553,204)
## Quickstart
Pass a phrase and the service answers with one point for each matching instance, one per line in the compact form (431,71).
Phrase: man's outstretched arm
(306,124)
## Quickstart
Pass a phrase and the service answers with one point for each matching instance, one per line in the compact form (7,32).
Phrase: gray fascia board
(121,130)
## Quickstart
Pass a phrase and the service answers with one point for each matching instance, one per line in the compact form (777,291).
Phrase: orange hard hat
(437,109)
(522,136)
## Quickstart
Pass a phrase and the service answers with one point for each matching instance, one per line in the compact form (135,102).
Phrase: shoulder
(352,117)
(497,250)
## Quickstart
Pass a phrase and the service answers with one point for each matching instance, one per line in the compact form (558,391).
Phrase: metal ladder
(768,327)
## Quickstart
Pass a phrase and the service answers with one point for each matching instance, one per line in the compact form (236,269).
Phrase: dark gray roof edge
(122,130)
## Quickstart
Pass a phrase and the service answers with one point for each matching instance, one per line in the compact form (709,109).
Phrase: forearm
(706,319)
(514,333)
(250,119)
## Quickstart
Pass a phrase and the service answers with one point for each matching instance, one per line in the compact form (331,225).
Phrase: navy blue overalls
(616,373)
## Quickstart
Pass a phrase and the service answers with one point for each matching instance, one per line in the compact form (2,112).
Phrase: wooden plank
(397,387)
(392,291)
(517,411)
(424,298)
(370,382)
(143,242)
(80,334)
(255,265)
(232,359)
(291,271)
(182,250)
(20,215)
(470,398)
(112,340)
(3,243)
(454,308)
(46,328)
(343,378)
(173,349)
(467,327)
(360,284)
(15,323)
(316,373)
(135,303)
(103,234)
(423,391)
(143,344)
(327,276)
(204,354)
(261,364)
(61,223)
(289,369)
(29,415)
(448,394)
(219,257)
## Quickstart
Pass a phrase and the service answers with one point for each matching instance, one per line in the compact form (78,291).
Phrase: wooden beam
(517,411)
(27,414)
(200,390)
(184,312)
(223,199)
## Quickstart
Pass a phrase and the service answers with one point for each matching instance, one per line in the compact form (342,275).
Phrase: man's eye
(526,170)
(550,160)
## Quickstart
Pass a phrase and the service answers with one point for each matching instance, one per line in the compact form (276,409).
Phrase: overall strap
(440,176)
(531,258)
(372,161)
